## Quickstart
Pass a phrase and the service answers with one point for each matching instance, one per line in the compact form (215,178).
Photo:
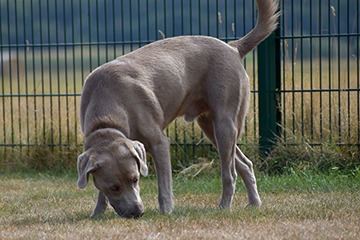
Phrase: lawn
(295,206)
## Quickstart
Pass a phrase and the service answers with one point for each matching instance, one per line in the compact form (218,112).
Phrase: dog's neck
(107,123)
(103,136)
(104,130)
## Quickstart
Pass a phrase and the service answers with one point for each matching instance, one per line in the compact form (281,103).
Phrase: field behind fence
(47,48)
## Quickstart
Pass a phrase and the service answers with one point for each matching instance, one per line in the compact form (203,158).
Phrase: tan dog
(127,103)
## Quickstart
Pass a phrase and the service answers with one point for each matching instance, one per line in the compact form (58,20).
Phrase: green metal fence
(320,72)
(47,48)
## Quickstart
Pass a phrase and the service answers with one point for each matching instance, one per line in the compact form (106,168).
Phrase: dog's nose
(136,212)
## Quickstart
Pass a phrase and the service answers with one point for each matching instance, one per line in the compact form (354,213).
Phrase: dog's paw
(167,209)
(98,211)
(225,202)
(254,204)
(95,214)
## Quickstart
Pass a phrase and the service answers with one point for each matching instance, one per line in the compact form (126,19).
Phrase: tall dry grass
(329,111)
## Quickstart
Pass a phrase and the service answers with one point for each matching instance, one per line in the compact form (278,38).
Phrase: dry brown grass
(328,115)
(47,207)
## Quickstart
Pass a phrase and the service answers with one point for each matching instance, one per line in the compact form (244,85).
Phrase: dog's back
(166,77)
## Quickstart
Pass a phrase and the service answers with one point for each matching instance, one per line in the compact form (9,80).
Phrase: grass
(295,206)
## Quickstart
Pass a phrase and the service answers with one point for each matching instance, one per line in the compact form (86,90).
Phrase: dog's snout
(135,212)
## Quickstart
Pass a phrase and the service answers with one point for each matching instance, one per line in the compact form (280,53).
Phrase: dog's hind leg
(225,133)
(245,168)
(222,132)
(242,164)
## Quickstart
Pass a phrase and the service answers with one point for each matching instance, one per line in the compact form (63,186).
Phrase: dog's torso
(153,85)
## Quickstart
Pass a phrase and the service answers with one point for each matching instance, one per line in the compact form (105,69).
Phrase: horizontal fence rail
(47,48)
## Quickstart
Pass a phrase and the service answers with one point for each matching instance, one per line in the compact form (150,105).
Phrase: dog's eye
(134,180)
(115,188)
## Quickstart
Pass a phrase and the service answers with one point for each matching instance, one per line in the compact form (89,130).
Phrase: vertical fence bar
(139,23)
(284,49)
(358,75)
(75,135)
(89,14)
(26,48)
(330,57)
(320,73)
(293,59)
(106,32)
(10,76)
(348,69)
(66,75)
(301,26)
(338,68)
(50,77)
(82,43)
(18,77)
(2,85)
(311,76)
(122,28)
(167,33)
(113,28)
(253,64)
(174,17)
(269,95)
(34,71)
(97,11)
(339,52)
(41,19)
(58,77)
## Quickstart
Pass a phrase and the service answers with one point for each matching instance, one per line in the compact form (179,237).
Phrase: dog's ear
(85,165)
(137,149)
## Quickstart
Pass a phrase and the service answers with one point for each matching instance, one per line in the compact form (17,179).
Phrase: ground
(44,206)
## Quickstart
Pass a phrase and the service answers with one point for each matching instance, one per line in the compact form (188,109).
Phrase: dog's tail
(265,25)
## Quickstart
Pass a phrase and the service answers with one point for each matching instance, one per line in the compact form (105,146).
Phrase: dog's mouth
(136,212)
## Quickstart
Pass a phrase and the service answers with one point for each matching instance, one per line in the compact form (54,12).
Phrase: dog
(128,102)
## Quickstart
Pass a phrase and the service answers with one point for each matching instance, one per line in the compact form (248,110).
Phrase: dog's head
(116,166)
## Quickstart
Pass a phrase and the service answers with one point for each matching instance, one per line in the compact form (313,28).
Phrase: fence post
(269,84)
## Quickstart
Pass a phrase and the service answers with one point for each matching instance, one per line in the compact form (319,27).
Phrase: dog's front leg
(101,205)
(161,155)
